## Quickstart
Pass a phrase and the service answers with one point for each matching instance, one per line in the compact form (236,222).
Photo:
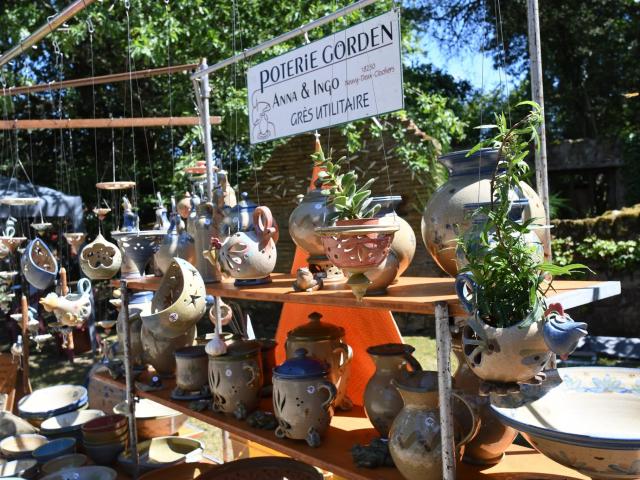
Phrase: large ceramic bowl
(68,422)
(21,446)
(84,473)
(65,462)
(52,401)
(23,468)
(153,419)
(163,452)
(590,422)
(55,449)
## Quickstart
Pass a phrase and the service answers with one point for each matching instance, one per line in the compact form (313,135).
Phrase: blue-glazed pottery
(55,448)
(52,401)
(38,264)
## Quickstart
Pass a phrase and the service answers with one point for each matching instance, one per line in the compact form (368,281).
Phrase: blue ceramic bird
(561,332)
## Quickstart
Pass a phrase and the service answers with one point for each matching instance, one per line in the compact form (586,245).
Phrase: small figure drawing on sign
(265,128)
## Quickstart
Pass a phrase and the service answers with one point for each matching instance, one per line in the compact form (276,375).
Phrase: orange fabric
(363,327)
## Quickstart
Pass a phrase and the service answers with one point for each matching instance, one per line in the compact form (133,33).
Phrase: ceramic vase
(176,243)
(135,325)
(469,182)
(404,240)
(204,229)
(302,398)
(39,265)
(325,341)
(235,379)
(382,401)
(100,259)
(159,351)
(138,248)
(415,439)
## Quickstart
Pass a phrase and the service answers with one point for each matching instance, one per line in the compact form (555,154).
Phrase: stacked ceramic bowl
(54,449)
(153,419)
(21,446)
(52,401)
(22,468)
(105,437)
(68,424)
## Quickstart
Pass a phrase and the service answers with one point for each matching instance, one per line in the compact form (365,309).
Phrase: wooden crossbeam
(103,123)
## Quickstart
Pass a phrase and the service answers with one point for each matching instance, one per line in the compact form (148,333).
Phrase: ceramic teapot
(72,309)
(249,257)
(239,218)
(302,398)
(415,439)
(325,341)
(235,379)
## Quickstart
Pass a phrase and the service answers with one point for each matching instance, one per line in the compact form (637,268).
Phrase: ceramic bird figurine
(561,332)
(73,309)
(306,281)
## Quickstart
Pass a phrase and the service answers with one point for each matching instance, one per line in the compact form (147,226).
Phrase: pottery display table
(422,295)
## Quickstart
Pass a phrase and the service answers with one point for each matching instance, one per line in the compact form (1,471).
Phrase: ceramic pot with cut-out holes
(73,309)
(39,266)
(382,401)
(100,259)
(235,379)
(415,438)
(159,351)
(325,341)
(303,396)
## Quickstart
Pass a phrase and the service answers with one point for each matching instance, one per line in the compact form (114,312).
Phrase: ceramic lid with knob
(301,366)
(316,330)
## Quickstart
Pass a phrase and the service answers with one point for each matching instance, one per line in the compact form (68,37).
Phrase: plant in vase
(357,242)
(511,332)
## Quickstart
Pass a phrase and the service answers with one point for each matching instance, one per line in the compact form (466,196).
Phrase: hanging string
(482,44)
(504,59)
(127,5)
(173,158)
(91,29)
(235,151)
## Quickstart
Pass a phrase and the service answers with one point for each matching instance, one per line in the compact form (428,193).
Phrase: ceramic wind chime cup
(357,246)
(415,439)
(249,257)
(100,259)
(192,378)
(73,309)
(382,401)
(75,239)
(325,342)
(303,397)
(39,265)
(235,379)
(178,303)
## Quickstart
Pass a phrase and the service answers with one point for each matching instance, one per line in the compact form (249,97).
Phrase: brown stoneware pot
(191,368)
(302,398)
(325,341)
(235,379)
(382,401)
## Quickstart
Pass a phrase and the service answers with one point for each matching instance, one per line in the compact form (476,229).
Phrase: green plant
(509,273)
(349,201)
(614,255)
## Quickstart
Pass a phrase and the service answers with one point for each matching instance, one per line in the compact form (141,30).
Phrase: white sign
(351,74)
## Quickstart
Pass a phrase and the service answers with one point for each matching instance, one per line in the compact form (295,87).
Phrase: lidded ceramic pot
(325,341)
(415,439)
(192,369)
(469,182)
(235,379)
(302,398)
(382,401)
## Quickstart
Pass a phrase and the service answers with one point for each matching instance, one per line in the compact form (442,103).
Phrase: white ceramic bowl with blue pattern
(590,422)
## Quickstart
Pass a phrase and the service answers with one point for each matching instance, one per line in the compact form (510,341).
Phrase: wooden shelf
(409,294)
(347,429)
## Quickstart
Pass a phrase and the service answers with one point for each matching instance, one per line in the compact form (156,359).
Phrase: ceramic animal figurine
(306,281)
(130,219)
(561,332)
(73,309)
(249,257)
(162,222)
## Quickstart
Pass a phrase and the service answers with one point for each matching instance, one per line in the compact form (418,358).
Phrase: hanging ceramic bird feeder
(39,265)
(178,303)
(74,239)
(101,259)
(73,309)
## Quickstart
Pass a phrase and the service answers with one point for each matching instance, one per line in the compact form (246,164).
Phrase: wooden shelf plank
(347,429)
(409,294)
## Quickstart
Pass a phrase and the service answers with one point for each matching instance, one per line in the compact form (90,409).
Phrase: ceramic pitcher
(382,401)
(325,342)
(414,439)
(235,379)
(302,398)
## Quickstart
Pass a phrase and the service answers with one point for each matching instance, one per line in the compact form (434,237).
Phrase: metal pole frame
(443,344)
(129,379)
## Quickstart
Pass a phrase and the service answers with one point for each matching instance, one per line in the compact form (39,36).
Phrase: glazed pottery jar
(487,447)
(159,351)
(415,438)
(204,229)
(469,182)
(191,368)
(302,398)
(235,379)
(382,401)
(325,341)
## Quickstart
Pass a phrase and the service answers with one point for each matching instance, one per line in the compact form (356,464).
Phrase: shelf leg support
(130,383)
(443,344)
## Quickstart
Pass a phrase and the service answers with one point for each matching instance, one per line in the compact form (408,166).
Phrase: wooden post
(26,383)
(130,382)
(443,345)
(537,94)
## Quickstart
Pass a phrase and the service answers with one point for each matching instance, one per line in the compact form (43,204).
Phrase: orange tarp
(363,327)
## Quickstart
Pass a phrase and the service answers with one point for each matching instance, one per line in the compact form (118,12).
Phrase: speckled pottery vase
(159,351)
(302,398)
(38,264)
(192,366)
(469,182)
(487,447)
(415,438)
(235,379)
(176,243)
(404,240)
(204,228)
(325,341)
(382,401)
(138,303)
(100,259)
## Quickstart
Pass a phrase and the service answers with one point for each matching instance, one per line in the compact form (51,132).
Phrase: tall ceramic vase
(205,229)
(469,182)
